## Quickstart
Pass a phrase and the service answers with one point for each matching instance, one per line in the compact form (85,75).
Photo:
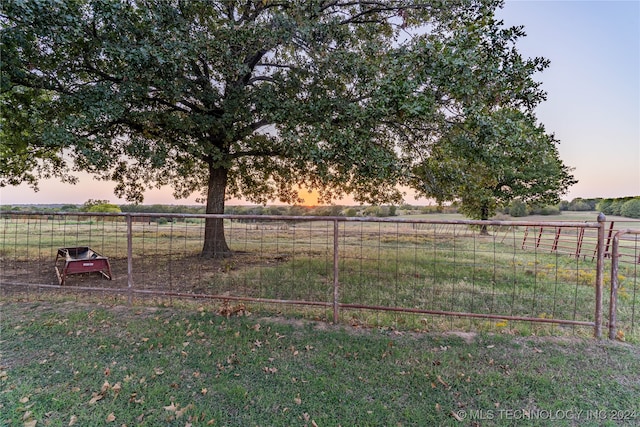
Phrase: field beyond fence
(517,277)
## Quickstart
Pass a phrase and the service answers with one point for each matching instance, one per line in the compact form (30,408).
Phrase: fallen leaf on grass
(31,423)
(443,382)
(111,418)
(24,399)
(456,416)
(95,398)
(180,412)
(27,415)
(117,387)
(172,407)
(133,398)
(73,420)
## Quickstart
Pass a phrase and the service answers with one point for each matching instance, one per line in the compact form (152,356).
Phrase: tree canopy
(102,206)
(255,98)
(492,160)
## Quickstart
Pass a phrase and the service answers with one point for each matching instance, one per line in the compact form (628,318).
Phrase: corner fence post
(336,284)
(597,329)
(129,257)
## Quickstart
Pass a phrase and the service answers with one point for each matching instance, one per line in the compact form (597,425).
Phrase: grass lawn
(65,364)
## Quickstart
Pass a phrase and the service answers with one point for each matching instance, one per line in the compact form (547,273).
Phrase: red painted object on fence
(81,260)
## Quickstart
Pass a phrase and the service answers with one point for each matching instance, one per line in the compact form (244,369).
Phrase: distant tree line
(623,206)
(102,206)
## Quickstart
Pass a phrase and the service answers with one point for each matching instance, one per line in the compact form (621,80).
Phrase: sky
(592,107)
(592,85)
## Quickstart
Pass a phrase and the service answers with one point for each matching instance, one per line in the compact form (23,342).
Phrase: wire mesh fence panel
(462,270)
(499,271)
(623,285)
(273,260)
(45,250)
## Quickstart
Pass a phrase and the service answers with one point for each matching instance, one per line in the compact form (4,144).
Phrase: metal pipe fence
(625,247)
(583,243)
(366,271)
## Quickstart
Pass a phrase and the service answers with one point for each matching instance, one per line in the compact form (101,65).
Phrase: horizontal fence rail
(583,243)
(360,270)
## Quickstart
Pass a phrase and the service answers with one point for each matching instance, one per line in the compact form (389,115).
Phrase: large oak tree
(251,98)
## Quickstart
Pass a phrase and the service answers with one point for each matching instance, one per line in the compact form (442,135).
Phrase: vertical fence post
(336,285)
(597,330)
(613,301)
(129,257)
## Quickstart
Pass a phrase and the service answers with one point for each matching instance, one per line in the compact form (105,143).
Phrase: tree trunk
(215,244)
(484,215)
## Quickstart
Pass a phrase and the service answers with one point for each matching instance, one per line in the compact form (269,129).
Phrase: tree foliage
(102,206)
(24,155)
(631,208)
(259,98)
(623,206)
(492,159)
